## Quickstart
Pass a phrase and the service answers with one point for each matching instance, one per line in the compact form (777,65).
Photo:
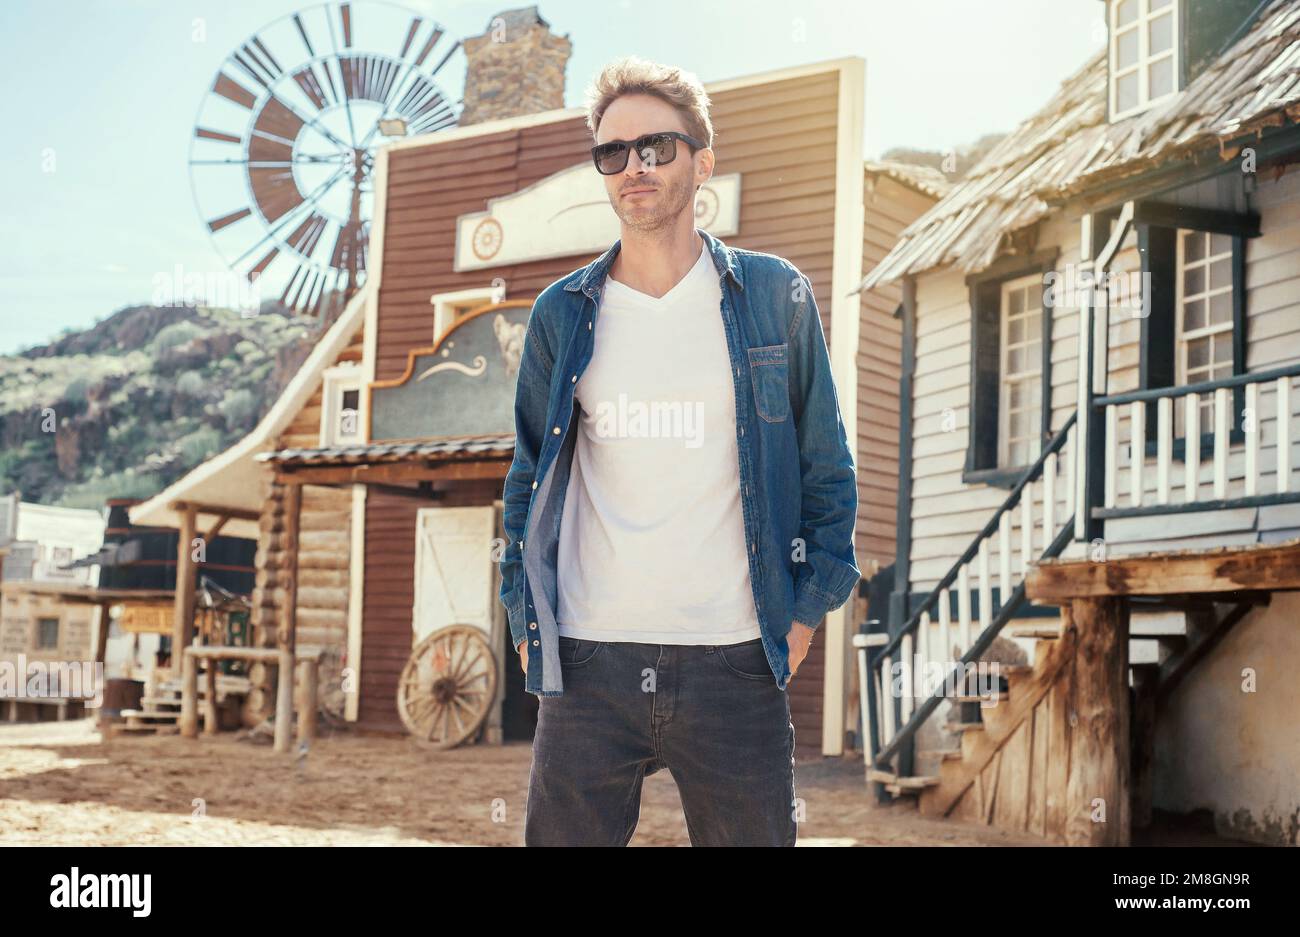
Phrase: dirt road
(61,783)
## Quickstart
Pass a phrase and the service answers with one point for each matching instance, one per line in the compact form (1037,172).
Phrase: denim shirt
(798,485)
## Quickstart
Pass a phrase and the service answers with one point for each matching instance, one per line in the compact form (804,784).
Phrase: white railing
(1032,523)
(1250,450)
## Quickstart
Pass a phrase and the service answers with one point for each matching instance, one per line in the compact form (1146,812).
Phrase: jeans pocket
(747,660)
(575,652)
(769,369)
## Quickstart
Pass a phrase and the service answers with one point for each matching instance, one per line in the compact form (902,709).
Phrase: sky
(100,99)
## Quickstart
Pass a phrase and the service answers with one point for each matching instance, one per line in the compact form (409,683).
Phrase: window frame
(1160,248)
(1182,338)
(985,413)
(1141,26)
(37,642)
(449,308)
(1026,377)
(335,382)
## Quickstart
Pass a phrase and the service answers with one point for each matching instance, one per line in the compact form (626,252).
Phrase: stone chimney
(516,67)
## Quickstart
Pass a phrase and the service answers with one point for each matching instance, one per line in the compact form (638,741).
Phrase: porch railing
(1244,460)
(1022,531)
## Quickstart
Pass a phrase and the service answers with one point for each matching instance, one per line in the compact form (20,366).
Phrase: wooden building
(41,619)
(378,474)
(1101,339)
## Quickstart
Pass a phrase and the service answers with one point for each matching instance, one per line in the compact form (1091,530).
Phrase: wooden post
(286,631)
(307,701)
(101,639)
(183,621)
(1098,785)
(1144,731)
(283,700)
(210,691)
(189,694)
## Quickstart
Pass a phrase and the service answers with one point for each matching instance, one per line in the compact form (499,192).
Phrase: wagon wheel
(447,686)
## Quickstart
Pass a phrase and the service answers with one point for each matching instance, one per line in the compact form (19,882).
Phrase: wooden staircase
(1010,769)
(160,712)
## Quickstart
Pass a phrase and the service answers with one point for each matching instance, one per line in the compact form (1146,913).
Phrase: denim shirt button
(556,431)
(534,484)
(536,643)
(532,625)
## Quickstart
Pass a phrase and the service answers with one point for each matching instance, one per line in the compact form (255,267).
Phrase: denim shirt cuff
(811,605)
(518,629)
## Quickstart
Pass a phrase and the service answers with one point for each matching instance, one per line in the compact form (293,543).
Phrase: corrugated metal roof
(1068,147)
(451,448)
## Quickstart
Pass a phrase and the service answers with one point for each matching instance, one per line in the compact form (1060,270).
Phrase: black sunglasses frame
(640,143)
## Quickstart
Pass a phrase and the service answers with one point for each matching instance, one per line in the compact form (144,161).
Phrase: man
(681,504)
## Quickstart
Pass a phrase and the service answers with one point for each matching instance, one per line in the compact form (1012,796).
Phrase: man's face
(645,196)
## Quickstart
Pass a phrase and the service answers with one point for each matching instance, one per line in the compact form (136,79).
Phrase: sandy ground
(61,783)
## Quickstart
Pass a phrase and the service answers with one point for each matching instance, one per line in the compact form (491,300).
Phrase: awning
(451,458)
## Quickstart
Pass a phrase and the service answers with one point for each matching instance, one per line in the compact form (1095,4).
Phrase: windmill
(282,158)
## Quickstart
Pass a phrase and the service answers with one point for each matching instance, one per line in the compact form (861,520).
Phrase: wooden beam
(1097,806)
(1164,215)
(287,625)
(216,528)
(287,632)
(101,639)
(391,472)
(236,513)
(1269,567)
(183,606)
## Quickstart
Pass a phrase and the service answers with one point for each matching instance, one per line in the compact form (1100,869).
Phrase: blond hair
(633,75)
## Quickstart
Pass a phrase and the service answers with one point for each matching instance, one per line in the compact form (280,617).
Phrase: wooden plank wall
(781,136)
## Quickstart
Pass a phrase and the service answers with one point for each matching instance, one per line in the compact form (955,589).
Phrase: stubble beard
(675,197)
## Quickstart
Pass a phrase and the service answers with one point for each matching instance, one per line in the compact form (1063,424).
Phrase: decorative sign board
(464,387)
(568,214)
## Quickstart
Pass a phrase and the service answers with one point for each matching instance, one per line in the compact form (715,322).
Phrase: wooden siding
(889,207)
(947,513)
(780,136)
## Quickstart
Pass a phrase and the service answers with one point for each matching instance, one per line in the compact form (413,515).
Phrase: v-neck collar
(646,298)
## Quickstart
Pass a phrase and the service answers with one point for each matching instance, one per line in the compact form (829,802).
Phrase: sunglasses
(656,149)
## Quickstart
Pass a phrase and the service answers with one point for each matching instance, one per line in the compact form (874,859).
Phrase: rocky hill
(125,407)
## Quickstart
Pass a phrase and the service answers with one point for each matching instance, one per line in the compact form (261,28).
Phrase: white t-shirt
(652,538)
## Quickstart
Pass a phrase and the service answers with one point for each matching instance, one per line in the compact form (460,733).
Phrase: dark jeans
(713,716)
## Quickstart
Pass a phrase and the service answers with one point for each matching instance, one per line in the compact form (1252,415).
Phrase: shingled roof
(1068,147)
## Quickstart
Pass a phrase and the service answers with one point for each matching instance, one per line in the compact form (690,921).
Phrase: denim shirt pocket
(769,369)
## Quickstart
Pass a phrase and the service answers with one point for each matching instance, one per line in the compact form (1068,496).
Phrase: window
(47,634)
(1011,338)
(1204,309)
(1194,329)
(450,308)
(1020,433)
(341,406)
(1144,63)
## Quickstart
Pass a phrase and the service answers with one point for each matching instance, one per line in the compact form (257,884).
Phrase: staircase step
(1153,624)
(1144,651)
(899,786)
(943,754)
(982,700)
(1037,632)
(137,714)
(911,786)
